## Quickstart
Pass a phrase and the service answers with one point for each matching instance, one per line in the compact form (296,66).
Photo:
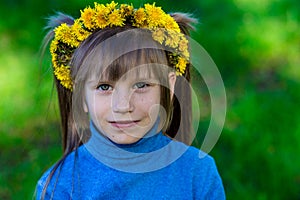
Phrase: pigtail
(185,22)
(181,120)
(53,22)
(70,138)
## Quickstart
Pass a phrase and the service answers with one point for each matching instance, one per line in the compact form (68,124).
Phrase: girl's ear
(172,81)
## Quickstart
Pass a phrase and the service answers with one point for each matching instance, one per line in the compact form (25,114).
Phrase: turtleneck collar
(154,151)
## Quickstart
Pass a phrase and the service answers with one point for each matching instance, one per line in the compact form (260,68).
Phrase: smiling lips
(123,124)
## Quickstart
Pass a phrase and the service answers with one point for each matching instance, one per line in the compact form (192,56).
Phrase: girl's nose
(122,101)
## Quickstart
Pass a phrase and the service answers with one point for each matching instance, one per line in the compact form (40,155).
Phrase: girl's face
(126,109)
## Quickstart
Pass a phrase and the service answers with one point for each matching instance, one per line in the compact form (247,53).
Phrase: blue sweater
(155,167)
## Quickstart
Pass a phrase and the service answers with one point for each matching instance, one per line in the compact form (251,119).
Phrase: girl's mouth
(123,124)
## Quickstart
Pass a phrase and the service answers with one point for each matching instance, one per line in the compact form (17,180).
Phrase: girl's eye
(104,87)
(140,85)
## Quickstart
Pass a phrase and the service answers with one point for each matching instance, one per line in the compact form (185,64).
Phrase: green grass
(23,159)
(258,149)
(30,135)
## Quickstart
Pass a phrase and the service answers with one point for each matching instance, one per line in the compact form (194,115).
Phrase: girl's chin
(123,138)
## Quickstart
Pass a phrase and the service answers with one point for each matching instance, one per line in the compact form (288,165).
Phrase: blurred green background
(254,43)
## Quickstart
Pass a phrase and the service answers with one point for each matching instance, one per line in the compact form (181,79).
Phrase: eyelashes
(138,87)
(141,85)
(104,87)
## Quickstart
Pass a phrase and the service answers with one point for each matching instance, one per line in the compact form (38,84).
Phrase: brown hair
(89,59)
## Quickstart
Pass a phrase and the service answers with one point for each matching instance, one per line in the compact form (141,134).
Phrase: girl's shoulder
(199,157)
(187,156)
(61,170)
(201,168)
(196,159)
(205,174)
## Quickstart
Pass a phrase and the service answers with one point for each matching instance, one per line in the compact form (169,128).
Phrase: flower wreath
(164,30)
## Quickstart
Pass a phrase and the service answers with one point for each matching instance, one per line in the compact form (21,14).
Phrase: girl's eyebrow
(97,82)
(145,79)
(148,80)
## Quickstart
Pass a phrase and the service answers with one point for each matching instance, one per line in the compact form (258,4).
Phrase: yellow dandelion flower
(185,54)
(115,18)
(87,16)
(172,40)
(111,6)
(140,17)
(181,65)
(53,46)
(79,33)
(126,10)
(158,35)
(64,34)
(61,30)
(155,15)
(170,24)
(183,44)
(63,74)
(169,42)
(54,59)
(74,42)
(101,9)
(67,84)
(101,15)
(101,21)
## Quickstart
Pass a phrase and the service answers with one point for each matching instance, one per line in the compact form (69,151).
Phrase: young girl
(122,77)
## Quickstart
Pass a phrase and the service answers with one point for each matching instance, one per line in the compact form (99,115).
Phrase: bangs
(145,63)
